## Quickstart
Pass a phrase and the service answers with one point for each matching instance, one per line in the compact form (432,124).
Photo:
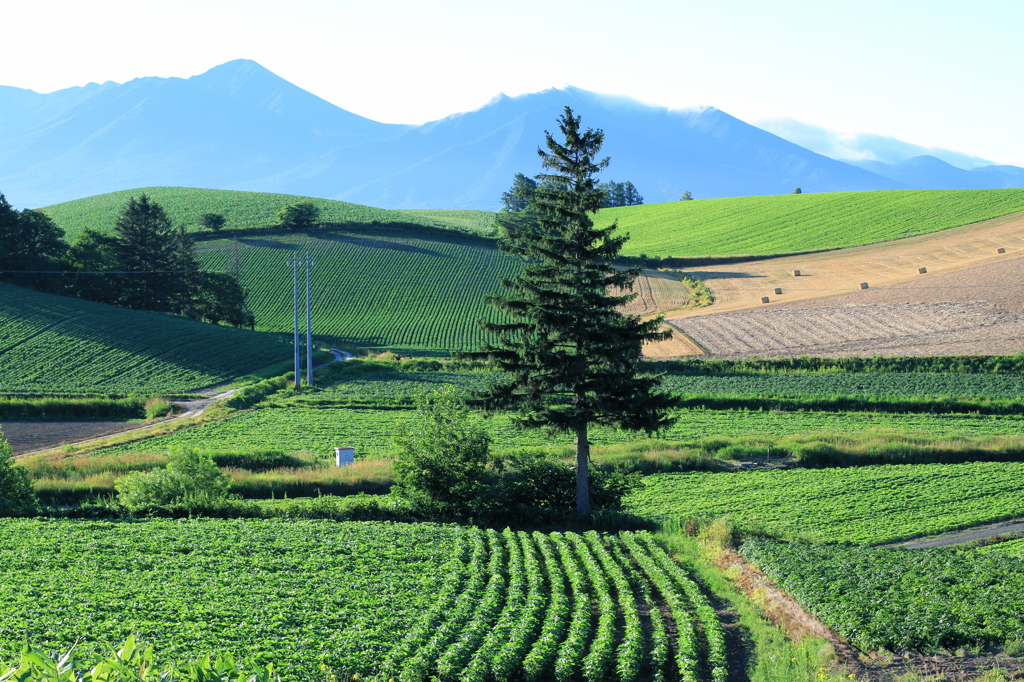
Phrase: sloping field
(966,302)
(768,225)
(56,344)
(375,289)
(186,205)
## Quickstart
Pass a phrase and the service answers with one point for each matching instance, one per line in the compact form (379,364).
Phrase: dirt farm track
(970,300)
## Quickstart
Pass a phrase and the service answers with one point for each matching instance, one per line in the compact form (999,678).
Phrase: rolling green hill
(374,289)
(56,344)
(244,210)
(760,226)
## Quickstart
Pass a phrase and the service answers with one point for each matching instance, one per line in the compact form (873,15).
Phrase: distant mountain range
(239,126)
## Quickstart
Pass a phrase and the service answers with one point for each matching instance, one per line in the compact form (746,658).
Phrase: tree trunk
(582,471)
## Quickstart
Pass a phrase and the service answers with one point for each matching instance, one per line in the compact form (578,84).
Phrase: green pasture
(767,225)
(243,210)
(54,344)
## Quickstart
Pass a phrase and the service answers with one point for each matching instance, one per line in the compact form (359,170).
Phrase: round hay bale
(863,285)
(796,273)
(922,271)
(778,290)
(764,299)
(1000,250)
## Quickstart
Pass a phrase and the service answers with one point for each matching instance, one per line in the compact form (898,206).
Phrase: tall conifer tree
(571,359)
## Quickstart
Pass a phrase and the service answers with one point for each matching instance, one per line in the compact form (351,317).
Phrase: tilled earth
(30,436)
(973,311)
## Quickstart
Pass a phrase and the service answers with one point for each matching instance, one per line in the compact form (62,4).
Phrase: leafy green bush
(441,462)
(17,498)
(190,479)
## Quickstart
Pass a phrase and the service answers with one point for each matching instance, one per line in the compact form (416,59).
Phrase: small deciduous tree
(798,191)
(441,461)
(686,196)
(302,215)
(213,221)
(571,359)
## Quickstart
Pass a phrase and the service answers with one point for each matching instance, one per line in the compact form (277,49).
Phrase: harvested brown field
(973,311)
(967,303)
(659,291)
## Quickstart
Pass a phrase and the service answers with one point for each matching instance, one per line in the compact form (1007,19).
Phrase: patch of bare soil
(30,436)
(973,311)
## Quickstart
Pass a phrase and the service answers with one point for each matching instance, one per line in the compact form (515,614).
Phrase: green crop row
(802,222)
(899,599)
(871,505)
(55,344)
(381,600)
(369,290)
(186,205)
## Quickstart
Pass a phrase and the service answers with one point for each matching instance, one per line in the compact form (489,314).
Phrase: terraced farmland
(56,344)
(242,210)
(373,290)
(759,226)
(388,601)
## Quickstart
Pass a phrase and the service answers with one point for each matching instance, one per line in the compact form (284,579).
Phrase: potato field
(386,601)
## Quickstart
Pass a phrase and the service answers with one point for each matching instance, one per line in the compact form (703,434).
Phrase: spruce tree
(571,358)
(148,249)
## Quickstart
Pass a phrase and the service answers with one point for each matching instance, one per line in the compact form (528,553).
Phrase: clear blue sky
(932,72)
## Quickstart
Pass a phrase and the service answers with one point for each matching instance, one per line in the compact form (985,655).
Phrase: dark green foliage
(212,221)
(687,196)
(92,264)
(156,260)
(519,197)
(570,358)
(218,297)
(302,215)
(17,498)
(29,242)
(798,191)
(619,194)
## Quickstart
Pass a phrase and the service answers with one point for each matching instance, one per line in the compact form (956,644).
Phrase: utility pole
(309,324)
(307,262)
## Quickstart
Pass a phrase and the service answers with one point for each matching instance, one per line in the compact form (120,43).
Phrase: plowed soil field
(969,302)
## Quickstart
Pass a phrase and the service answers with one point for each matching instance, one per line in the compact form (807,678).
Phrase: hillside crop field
(373,290)
(767,225)
(873,505)
(185,206)
(405,601)
(56,344)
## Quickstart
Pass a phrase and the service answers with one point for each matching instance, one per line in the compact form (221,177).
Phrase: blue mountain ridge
(239,126)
